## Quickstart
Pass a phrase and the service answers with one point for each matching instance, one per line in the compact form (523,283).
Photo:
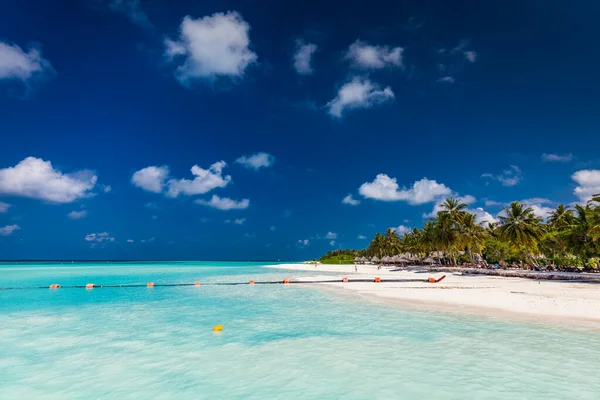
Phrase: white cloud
(216,45)
(508,177)
(557,157)
(37,179)
(387,189)
(358,93)
(102,237)
(537,204)
(129,240)
(152,205)
(205,180)
(303,242)
(249,235)
(224,203)
(493,203)
(364,55)
(131,9)
(361,237)
(151,179)
(350,200)
(589,183)
(482,217)
(331,235)
(77,214)
(256,161)
(8,230)
(446,79)
(303,57)
(239,221)
(470,55)
(106,188)
(152,239)
(401,230)
(23,66)
(4,207)
(332,243)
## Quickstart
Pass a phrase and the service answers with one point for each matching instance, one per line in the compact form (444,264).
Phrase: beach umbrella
(396,259)
(374,259)
(429,260)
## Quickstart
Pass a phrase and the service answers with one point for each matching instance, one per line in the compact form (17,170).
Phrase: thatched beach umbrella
(374,259)
(429,260)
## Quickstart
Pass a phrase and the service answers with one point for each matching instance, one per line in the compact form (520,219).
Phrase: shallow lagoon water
(279,342)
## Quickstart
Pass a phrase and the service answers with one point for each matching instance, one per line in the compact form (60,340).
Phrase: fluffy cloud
(331,235)
(401,230)
(131,9)
(350,200)
(239,221)
(446,79)
(4,207)
(589,183)
(129,240)
(482,217)
(37,179)
(332,243)
(256,161)
(361,237)
(303,242)
(366,56)
(8,230)
(557,157)
(205,180)
(470,55)
(303,57)
(212,46)
(387,189)
(358,93)
(16,64)
(102,237)
(508,177)
(77,214)
(151,179)
(224,203)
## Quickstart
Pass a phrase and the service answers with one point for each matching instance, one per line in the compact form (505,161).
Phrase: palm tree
(450,219)
(560,218)
(582,233)
(473,235)
(392,242)
(520,227)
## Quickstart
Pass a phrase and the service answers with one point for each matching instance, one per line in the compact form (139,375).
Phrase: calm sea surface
(278,342)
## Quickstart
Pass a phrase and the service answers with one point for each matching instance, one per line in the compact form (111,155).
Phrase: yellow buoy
(217,328)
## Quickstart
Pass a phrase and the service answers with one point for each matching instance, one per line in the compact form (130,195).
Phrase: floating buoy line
(90,286)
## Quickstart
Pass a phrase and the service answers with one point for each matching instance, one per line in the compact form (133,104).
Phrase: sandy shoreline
(563,302)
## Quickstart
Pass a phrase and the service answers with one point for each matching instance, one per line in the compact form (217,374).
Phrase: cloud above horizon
(154,179)
(24,66)
(387,189)
(4,207)
(256,161)
(102,237)
(356,94)
(209,47)
(77,214)
(8,230)
(509,177)
(303,57)
(350,200)
(38,179)
(366,56)
(557,157)
(224,203)
(588,181)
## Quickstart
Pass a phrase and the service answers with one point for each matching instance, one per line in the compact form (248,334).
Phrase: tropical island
(568,240)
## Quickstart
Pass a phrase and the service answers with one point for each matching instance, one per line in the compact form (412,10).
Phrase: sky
(265,130)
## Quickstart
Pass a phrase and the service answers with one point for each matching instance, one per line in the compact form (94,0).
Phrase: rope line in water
(284,282)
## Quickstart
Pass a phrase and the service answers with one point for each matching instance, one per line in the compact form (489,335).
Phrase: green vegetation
(569,239)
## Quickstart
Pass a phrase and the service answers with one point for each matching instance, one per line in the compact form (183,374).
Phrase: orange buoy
(54,286)
(89,286)
(196,283)
(286,281)
(345,280)
(251,282)
(377,280)
(217,328)
(433,280)
(150,284)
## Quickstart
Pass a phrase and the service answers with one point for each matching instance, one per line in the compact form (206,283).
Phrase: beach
(563,302)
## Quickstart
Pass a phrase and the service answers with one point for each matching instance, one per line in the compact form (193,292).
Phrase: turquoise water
(279,342)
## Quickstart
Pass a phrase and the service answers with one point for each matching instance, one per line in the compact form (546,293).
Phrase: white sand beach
(561,301)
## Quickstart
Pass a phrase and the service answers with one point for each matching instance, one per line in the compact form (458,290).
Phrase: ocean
(278,341)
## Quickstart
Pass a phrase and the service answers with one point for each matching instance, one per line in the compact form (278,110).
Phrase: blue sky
(280,130)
